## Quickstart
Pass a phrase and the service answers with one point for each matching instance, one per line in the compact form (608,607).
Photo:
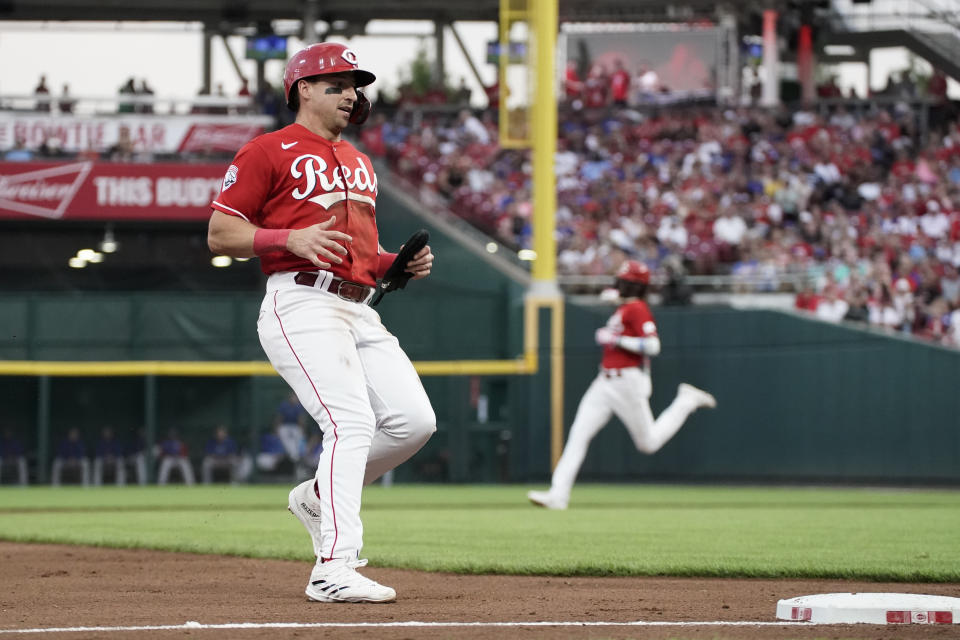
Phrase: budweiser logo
(44,192)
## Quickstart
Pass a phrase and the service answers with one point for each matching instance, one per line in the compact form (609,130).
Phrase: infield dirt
(46,586)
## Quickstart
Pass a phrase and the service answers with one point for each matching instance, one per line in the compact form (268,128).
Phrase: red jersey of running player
(292,179)
(631,319)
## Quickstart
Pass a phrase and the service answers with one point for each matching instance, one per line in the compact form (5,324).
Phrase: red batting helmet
(321,59)
(633,271)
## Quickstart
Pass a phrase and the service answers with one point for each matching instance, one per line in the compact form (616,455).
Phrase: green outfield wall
(799,400)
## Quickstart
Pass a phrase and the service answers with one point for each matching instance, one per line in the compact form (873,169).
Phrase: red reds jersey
(631,319)
(572,84)
(620,85)
(595,92)
(292,179)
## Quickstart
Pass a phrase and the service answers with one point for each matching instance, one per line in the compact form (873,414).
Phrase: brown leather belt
(352,291)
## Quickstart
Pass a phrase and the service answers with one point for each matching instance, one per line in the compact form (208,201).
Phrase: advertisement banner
(149,134)
(88,190)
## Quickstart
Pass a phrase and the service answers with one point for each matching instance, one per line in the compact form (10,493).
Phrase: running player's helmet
(325,58)
(633,271)
(633,277)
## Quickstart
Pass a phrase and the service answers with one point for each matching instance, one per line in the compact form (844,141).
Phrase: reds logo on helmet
(320,59)
(634,271)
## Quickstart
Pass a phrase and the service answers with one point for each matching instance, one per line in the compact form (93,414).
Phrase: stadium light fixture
(492,247)
(527,254)
(109,243)
(88,255)
(221,261)
(839,50)
(76,263)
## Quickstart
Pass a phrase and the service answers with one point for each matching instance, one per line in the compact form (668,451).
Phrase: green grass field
(873,534)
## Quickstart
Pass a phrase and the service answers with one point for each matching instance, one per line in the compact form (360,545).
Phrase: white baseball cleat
(702,398)
(337,580)
(547,500)
(303,503)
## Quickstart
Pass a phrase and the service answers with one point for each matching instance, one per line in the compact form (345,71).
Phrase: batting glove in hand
(397,275)
(605,336)
(610,295)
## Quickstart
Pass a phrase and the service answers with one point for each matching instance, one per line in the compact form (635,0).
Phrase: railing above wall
(791,282)
(124,104)
(932,16)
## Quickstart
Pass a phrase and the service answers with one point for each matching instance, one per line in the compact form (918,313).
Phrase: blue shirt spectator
(270,442)
(173,446)
(173,454)
(221,444)
(108,446)
(109,455)
(290,411)
(12,453)
(71,447)
(222,452)
(289,423)
(71,454)
(10,445)
(19,153)
(136,445)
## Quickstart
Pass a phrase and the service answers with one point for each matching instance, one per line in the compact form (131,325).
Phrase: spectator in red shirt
(807,300)
(372,136)
(829,89)
(493,95)
(937,90)
(244,92)
(937,87)
(595,90)
(572,84)
(620,84)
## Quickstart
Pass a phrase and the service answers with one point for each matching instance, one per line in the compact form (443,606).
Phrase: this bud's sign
(106,191)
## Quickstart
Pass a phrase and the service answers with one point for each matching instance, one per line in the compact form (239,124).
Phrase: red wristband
(385,260)
(267,240)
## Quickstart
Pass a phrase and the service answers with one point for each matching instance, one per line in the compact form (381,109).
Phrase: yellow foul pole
(543,121)
(544,130)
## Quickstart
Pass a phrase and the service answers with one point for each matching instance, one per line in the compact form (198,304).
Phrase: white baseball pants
(169,463)
(353,378)
(119,470)
(626,395)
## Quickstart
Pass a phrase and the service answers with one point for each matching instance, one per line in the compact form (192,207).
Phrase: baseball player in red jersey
(622,388)
(304,201)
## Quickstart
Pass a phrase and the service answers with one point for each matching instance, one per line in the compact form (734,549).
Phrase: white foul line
(410,623)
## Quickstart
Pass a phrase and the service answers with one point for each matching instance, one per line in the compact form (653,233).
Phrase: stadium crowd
(861,209)
(857,207)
